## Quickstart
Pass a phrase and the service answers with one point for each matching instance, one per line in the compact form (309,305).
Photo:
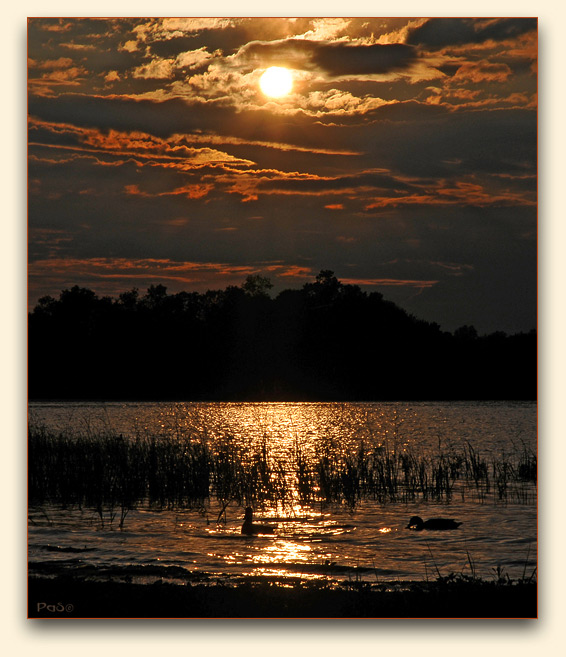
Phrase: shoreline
(454,596)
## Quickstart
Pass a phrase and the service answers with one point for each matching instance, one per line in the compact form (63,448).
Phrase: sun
(276,81)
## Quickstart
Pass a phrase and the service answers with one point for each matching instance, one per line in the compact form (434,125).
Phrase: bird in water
(435,524)
(250,527)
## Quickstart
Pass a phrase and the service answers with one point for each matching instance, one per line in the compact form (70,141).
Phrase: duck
(250,527)
(434,524)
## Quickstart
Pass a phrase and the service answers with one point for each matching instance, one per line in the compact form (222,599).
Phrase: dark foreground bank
(448,597)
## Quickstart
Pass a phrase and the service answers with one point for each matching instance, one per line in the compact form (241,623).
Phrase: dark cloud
(342,59)
(442,32)
(228,40)
(334,58)
(375,180)
(174,116)
(161,118)
(433,141)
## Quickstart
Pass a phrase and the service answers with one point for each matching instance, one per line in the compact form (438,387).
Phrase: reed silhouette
(114,474)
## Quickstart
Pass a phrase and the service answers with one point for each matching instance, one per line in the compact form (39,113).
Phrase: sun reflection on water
(297,547)
(308,536)
(287,558)
(283,551)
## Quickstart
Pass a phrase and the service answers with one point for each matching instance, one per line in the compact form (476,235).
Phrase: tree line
(324,341)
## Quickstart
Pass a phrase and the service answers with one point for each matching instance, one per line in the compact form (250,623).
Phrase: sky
(404,159)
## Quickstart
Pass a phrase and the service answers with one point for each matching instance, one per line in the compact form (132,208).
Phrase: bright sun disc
(276,81)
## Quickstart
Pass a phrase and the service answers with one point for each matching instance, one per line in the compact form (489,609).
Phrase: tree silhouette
(326,340)
(256,285)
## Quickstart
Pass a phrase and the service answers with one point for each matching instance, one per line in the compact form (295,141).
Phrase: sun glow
(276,82)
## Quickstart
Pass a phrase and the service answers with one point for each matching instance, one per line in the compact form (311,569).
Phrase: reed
(112,474)
(307,486)
(527,467)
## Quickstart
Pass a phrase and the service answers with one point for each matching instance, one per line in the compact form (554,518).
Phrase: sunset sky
(404,159)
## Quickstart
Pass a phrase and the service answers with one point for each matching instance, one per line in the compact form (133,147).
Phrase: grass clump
(113,474)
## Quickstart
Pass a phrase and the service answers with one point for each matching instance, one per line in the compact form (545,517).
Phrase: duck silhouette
(250,527)
(434,524)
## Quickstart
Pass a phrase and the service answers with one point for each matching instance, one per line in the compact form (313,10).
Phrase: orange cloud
(143,148)
(290,271)
(246,182)
(42,86)
(60,63)
(111,276)
(190,191)
(462,193)
(93,269)
(239,141)
(59,26)
(481,72)
(389,282)
(158,69)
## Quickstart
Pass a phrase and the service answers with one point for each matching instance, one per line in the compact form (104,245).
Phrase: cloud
(111,276)
(176,152)
(46,76)
(484,71)
(461,193)
(336,59)
(55,25)
(361,180)
(177,116)
(171,28)
(112,76)
(286,271)
(193,58)
(162,268)
(121,113)
(389,282)
(335,101)
(50,64)
(158,69)
(146,136)
(189,191)
(442,32)
(327,28)
(343,59)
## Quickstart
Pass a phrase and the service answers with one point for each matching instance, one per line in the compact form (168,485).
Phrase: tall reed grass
(112,474)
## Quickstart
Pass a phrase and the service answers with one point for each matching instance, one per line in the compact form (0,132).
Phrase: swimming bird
(250,527)
(436,524)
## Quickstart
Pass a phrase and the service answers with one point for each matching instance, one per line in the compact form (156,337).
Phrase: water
(369,542)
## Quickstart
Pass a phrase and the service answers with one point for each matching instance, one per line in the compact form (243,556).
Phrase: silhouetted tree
(257,286)
(129,300)
(324,341)
(155,296)
(466,333)
(325,289)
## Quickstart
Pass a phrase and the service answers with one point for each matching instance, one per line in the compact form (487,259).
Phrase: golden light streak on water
(281,551)
(307,533)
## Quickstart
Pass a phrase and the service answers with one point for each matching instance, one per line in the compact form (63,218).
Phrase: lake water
(316,540)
